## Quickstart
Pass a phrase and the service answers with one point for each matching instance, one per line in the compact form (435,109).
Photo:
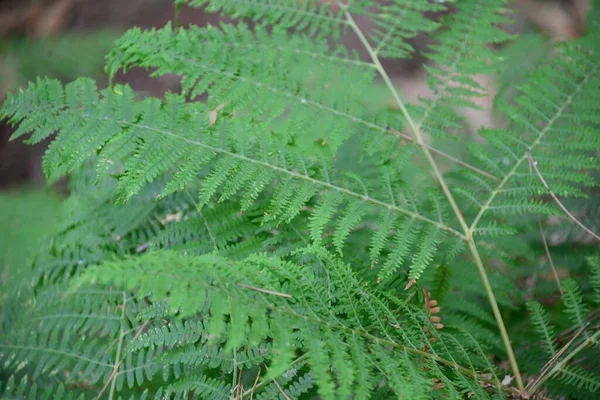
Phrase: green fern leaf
(546,331)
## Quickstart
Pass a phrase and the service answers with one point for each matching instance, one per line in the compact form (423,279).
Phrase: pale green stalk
(468,233)
(119,348)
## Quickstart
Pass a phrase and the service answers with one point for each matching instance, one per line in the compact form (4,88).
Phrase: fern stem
(406,114)
(61,353)
(294,174)
(468,234)
(556,200)
(119,348)
(176,16)
(446,155)
(235,373)
(496,310)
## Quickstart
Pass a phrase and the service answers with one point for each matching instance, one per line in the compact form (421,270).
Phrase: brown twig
(118,365)
(549,257)
(278,386)
(546,368)
(446,155)
(281,389)
(571,216)
(566,334)
(265,290)
(240,386)
(545,242)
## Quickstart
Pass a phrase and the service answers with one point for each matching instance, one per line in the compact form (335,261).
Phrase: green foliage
(264,234)
(577,338)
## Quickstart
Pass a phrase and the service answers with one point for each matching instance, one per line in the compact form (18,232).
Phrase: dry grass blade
(118,365)
(281,390)
(571,216)
(549,257)
(535,384)
(265,290)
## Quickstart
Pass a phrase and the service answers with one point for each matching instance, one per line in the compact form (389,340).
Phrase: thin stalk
(468,234)
(549,256)
(496,310)
(176,19)
(119,348)
(235,372)
(265,382)
(560,204)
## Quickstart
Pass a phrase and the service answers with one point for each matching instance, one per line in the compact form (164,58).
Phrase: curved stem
(176,16)
(267,381)
(468,233)
(119,348)
(496,310)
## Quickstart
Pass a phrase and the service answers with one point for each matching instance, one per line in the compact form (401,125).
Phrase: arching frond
(556,101)
(266,297)
(272,230)
(163,144)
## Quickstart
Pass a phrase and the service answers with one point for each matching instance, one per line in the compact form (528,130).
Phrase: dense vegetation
(275,231)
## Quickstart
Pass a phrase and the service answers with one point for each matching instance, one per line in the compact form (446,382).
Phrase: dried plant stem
(118,361)
(112,376)
(260,385)
(468,233)
(560,204)
(265,290)
(547,373)
(281,389)
(544,241)
(549,257)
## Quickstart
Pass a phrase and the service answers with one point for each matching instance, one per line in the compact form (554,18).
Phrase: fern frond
(394,23)
(14,388)
(302,77)
(575,307)
(580,378)
(555,101)
(460,56)
(293,385)
(243,293)
(162,143)
(546,331)
(594,263)
(317,19)
(203,386)
(220,248)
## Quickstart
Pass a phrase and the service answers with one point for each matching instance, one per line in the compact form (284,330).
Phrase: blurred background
(65,39)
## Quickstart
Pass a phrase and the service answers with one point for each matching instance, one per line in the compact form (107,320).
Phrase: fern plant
(270,232)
